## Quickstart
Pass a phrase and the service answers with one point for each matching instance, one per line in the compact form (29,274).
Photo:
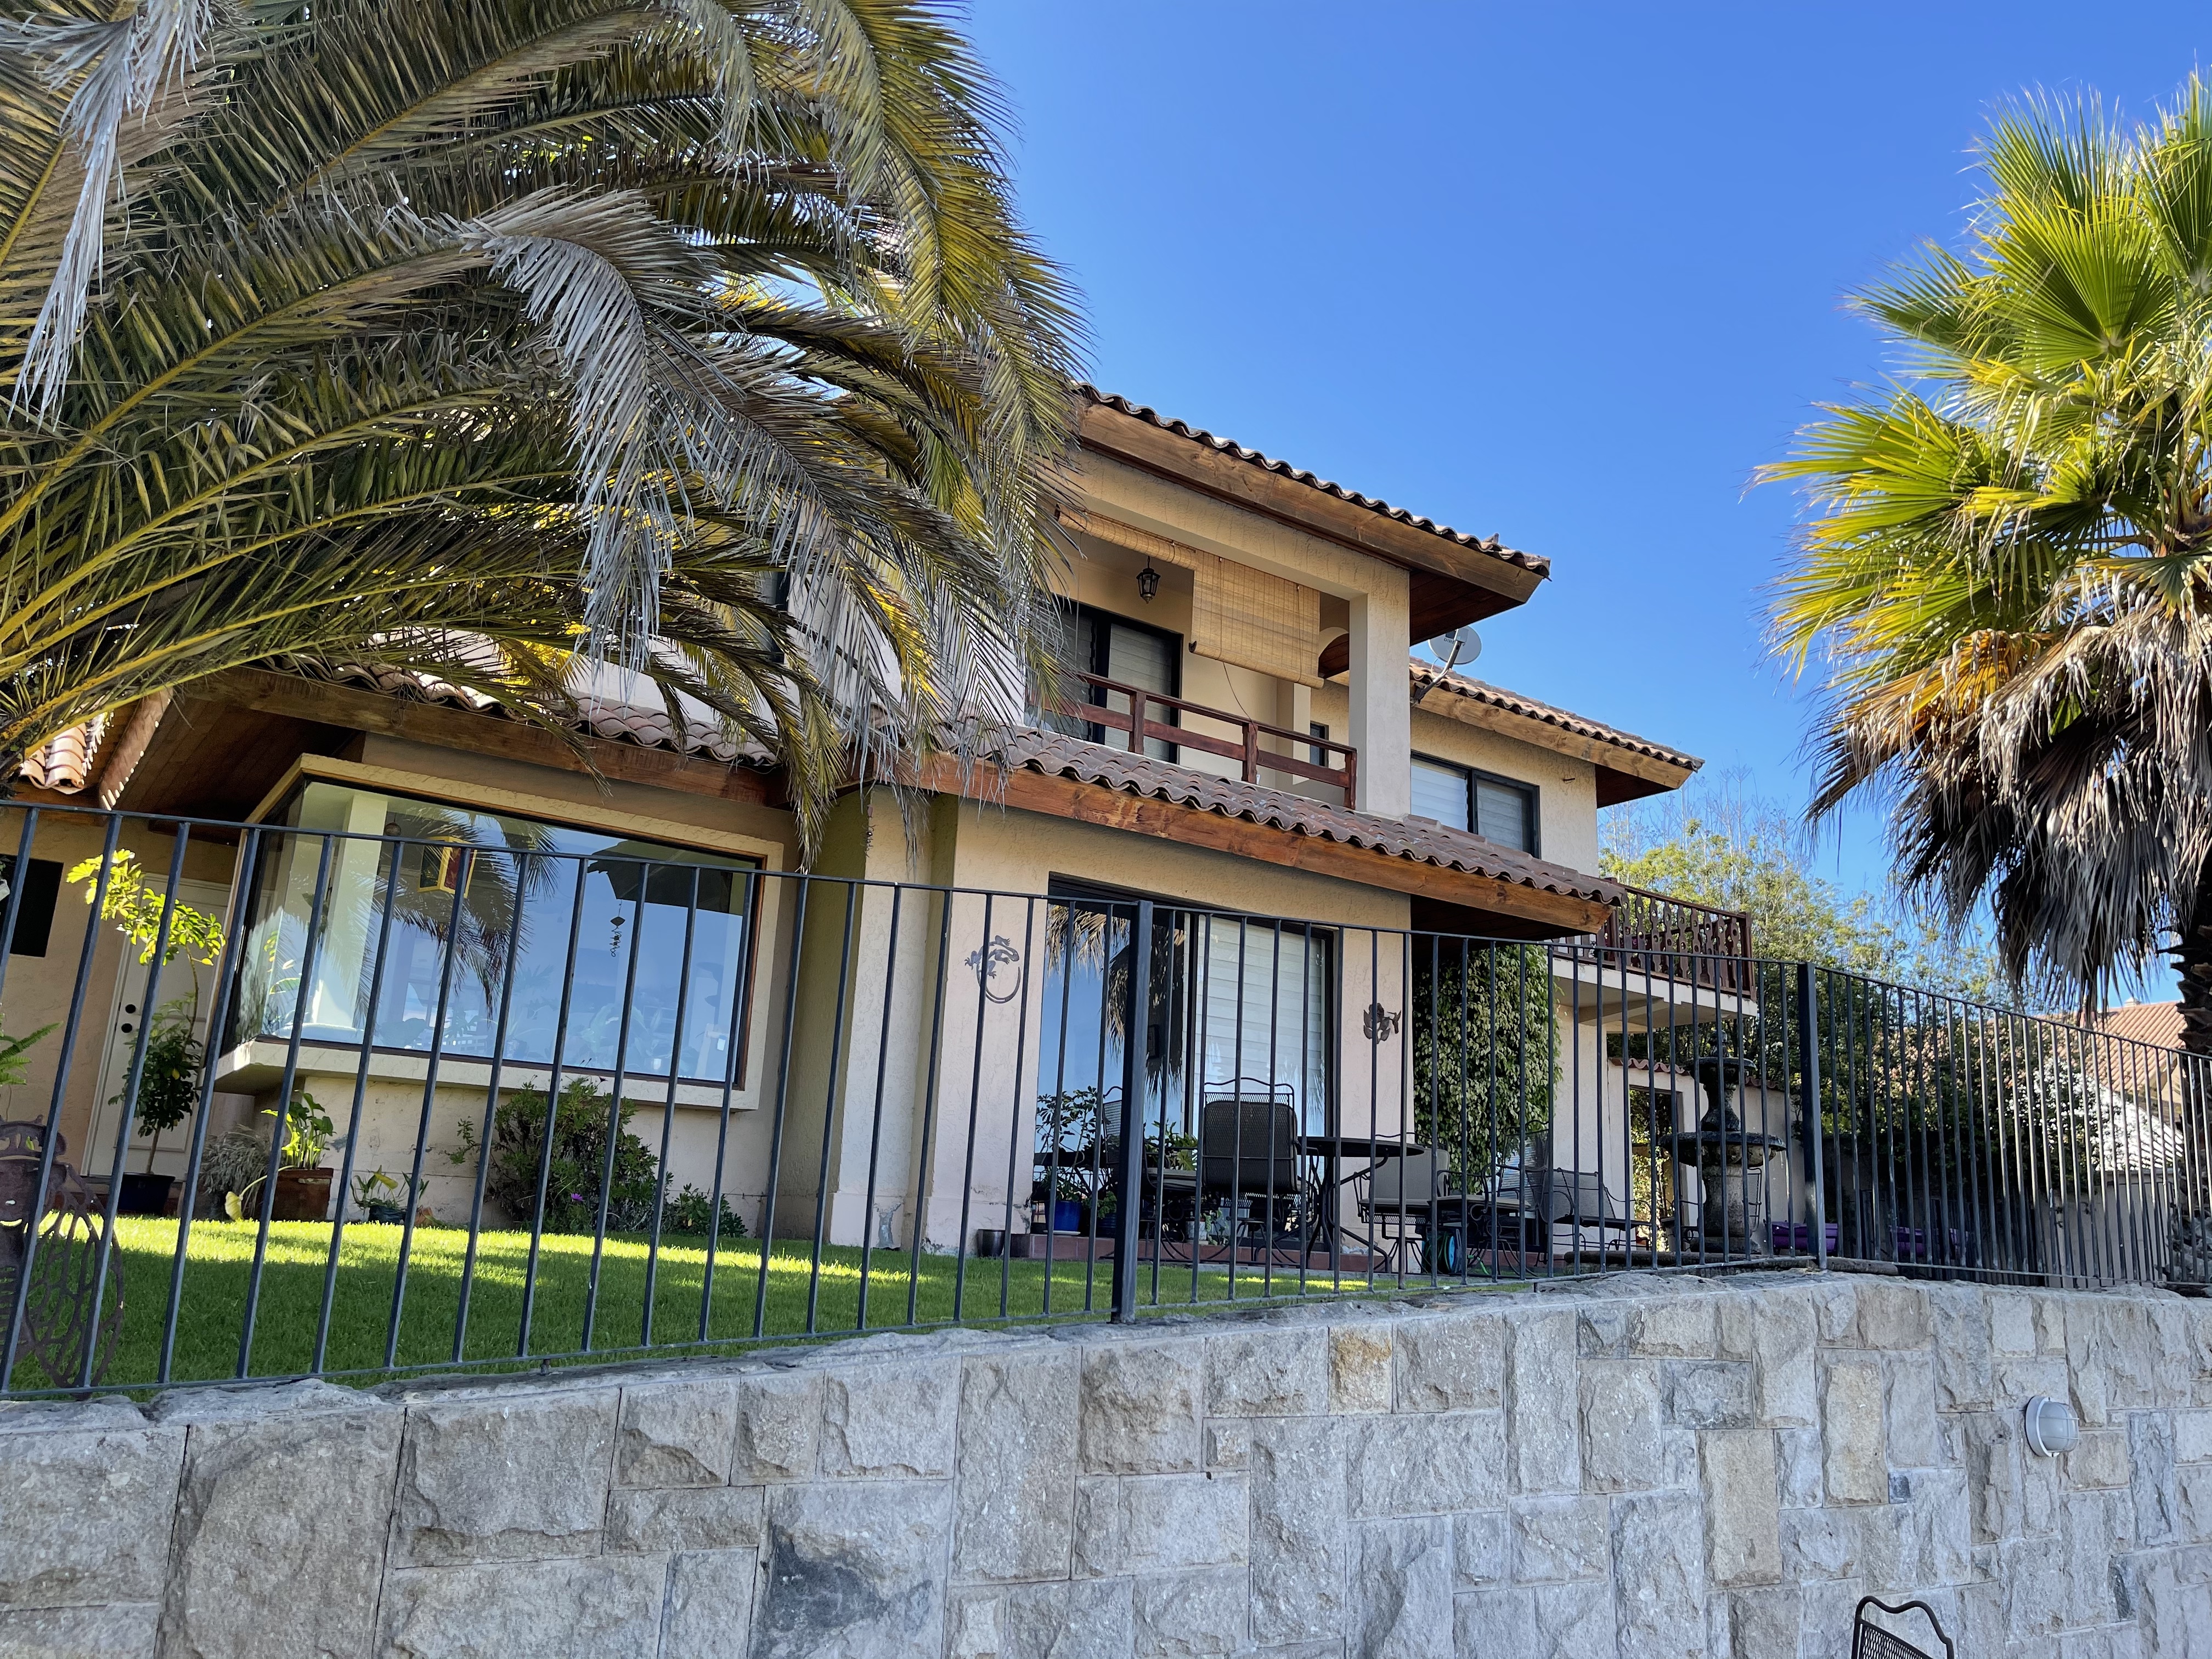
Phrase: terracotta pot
(303,1196)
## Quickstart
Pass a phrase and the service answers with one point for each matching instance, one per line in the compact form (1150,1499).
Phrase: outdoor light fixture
(1148,583)
(2051,1427)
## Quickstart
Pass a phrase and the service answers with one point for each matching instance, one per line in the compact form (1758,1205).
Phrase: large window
(1460,797)
(1241,1008)
(1128,654)
(538,913)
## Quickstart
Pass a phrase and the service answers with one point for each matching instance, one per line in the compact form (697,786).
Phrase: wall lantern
(2052,1425)
(1148,583)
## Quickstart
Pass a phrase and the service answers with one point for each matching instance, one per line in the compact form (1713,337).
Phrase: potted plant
(303,1186)
(368,1192)
(169,1076)
(168,1088)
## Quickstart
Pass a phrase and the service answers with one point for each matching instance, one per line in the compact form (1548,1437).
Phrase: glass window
(1127,654)
(1238,1009)
(1502,814)
(1264,1012)
(589,914)
(1440,793)
(1460,797)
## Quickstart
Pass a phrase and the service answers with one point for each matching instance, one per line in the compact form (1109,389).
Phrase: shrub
(688,1212)
(579,1150)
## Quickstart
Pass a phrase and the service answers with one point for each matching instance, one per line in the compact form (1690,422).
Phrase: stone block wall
(1636,1468)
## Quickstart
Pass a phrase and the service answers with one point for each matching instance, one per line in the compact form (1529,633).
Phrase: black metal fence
(382,1084)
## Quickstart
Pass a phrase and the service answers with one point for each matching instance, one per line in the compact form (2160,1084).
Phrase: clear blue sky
(1567,273)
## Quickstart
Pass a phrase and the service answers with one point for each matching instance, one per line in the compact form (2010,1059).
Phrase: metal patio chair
(1871,1641)
(67,1281)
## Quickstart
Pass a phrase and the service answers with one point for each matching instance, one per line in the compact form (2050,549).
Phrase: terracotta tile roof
(1418,839)
(2158,1023)
(618,706)
(63,763)
(1530,561)
(1426,674)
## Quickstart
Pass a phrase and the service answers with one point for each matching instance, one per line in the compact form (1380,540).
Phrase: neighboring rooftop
(1628,767)
(2155,1023)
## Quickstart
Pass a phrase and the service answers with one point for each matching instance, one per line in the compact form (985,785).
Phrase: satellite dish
(1460,645)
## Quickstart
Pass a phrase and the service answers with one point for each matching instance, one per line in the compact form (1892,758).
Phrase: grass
(218,1268)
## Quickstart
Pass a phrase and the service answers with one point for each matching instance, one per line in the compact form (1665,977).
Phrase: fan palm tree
(2009,572)
(480,336)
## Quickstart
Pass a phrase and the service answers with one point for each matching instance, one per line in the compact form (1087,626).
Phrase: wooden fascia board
(1146,815)
(351,707)
(1542,734)
(1155,450)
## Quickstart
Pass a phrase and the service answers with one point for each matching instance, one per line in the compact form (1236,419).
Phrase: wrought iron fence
(382,1084)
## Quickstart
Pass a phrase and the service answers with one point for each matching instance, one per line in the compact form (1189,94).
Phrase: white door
(126,1017)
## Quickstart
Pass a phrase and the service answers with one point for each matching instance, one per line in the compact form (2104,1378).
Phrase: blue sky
(1568,273)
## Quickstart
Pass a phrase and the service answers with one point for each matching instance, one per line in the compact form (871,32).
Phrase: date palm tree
(506,339)
(2007,577)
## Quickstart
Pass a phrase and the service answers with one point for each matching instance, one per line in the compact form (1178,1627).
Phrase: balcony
(1678,938)
(1131,710)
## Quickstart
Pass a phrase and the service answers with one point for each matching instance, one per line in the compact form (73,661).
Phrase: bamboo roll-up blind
(1238,615)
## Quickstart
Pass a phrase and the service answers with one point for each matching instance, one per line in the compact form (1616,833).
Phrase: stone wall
(1638,1468)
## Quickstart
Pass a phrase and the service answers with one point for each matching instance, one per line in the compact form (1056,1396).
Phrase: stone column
(1382,714)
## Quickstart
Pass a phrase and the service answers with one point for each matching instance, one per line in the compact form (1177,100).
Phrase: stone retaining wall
(1638,1468)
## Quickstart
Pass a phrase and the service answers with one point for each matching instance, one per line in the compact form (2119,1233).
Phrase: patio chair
(1248,1150)
(68,1276)
(1414,1196)
(1521,1207)
(1872,1640)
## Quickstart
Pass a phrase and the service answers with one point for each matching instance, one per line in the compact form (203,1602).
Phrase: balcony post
(1381,697)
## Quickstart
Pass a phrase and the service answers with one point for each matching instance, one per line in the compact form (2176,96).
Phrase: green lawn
(218,1267)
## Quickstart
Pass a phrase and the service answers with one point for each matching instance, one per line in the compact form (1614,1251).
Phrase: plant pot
(303,1196)
(390,1215)
(990,1241)
(1067,1215)
(146,1194)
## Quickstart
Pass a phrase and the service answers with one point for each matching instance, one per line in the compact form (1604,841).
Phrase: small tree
(170,1074)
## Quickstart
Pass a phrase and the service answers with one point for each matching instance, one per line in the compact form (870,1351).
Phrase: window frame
(758,868)
(1102,647)
(1326,937)
(1531,794)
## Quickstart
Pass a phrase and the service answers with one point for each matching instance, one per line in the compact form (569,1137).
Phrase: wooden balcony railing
(1679,939)
(1133,718)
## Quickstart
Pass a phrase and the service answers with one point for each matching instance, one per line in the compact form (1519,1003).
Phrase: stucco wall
(38,988)
(1627,1469)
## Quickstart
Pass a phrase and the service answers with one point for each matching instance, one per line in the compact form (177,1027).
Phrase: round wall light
(2052,1428)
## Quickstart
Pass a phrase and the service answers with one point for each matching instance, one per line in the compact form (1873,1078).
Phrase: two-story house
(440,902)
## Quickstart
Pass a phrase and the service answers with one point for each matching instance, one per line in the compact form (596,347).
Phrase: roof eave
(1504,579)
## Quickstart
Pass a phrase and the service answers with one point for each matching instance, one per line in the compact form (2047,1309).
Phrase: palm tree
(2008,570)
(481,335)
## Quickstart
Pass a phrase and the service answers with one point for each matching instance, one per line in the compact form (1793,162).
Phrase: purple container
(1798,1237)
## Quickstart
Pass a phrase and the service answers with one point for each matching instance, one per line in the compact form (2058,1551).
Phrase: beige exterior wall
(449,773)
(39,989)
(978,1100)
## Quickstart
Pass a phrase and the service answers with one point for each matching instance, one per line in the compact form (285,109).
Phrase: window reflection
(561,915)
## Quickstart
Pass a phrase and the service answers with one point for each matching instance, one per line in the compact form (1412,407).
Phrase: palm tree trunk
(2192,961)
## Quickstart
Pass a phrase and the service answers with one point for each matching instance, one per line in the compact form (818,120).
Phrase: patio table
(1329,1151)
